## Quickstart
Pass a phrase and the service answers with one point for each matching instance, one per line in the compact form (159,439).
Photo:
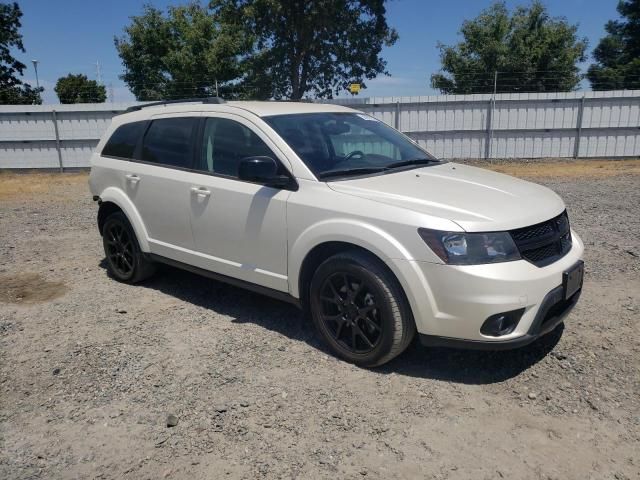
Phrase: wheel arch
(326,249)
(104,210)
(113,200)
(324,239)
(331,236)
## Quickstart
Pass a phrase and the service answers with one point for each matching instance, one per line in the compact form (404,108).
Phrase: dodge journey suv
(340,214)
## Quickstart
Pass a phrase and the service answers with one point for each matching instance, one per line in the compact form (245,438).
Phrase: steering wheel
(355,153)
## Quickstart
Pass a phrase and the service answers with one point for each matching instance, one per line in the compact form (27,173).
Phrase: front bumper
(552,311)
(450,303)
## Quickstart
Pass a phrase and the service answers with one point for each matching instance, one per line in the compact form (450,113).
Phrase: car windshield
(339,145)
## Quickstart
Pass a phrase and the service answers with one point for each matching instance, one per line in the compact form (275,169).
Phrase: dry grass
(566,168)
(18,186)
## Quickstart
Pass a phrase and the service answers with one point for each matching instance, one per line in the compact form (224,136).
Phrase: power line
(205,85)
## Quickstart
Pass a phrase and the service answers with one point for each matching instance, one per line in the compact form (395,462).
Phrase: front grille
(545,242)
(531,233)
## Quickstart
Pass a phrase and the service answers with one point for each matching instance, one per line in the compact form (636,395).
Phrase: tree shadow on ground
(452,365)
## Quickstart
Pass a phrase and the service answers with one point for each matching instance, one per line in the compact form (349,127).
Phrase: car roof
(261,109)
(265,109)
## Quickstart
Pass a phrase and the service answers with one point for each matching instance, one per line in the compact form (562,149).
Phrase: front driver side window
(225,142)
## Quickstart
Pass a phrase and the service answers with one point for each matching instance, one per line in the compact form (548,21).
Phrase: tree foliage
(531,51)
(12,89)
(180,54)
(254,48)
(618,54)
(79,89)
(309,47)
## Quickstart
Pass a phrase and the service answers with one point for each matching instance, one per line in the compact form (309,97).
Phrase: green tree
(618,54)
(531,51)
(12,89)
(79,89)
(180,54)
(308,47)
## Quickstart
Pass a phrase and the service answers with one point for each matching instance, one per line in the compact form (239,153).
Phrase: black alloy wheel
(125,261)
(350,313)
(358,307)
(119,249)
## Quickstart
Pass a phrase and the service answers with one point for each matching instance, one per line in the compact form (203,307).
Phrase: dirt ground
(90,369)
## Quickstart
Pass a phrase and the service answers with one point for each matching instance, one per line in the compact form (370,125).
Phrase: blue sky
(72,35)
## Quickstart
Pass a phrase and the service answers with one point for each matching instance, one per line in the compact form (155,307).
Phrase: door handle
(200,191)
(132,178)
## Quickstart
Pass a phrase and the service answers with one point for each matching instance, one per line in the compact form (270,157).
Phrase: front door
(239,227)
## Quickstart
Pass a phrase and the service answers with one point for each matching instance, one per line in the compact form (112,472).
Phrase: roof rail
(216,100)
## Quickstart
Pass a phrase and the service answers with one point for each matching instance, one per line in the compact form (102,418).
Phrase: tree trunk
(296,94)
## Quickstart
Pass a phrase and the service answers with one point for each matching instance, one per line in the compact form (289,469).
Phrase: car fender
(370,237)
(117,196)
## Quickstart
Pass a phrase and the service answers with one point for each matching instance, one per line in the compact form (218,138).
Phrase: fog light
(501,323)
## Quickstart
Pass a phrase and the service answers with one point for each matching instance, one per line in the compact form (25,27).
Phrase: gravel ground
(92,370)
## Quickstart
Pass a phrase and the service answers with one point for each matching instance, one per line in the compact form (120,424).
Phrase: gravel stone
(172,420)
(194,344)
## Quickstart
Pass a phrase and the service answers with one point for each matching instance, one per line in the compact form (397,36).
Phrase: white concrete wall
(524,125)
(532,125)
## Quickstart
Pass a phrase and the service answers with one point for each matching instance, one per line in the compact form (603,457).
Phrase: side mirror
(262,170)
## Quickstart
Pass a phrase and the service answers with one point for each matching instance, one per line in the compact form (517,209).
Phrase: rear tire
(125,261)
(359,309)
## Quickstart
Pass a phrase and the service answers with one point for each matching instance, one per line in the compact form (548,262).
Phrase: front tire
(125,261)
(359,309)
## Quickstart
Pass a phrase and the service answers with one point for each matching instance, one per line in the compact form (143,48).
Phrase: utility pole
(217,88)
(35,67)
(98,73)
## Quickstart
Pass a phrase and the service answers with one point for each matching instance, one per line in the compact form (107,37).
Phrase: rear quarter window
(123,141)
(169,141)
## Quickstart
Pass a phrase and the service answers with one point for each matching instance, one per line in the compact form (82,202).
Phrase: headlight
(457,248)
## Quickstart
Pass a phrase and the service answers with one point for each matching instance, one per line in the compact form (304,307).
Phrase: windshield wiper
(413,161)
(365,170)
(351,171)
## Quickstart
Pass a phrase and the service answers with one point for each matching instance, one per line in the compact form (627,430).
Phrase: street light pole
(35,67)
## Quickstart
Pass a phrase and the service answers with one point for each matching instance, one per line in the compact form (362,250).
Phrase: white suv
(335,211)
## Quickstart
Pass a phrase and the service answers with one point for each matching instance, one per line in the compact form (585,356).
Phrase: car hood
(474,198)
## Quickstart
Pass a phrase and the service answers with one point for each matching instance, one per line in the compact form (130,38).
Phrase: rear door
(158,182)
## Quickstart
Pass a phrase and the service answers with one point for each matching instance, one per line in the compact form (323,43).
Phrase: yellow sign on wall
(354,88)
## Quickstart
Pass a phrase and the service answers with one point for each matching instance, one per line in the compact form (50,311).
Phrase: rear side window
(169,141)
(123,141)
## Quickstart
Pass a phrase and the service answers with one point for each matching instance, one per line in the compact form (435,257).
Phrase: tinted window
(169,142)
(225,143)
(124,140)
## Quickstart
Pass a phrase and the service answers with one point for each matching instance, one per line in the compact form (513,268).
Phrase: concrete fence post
(397,116)
(489,138)
(55,127)
(576,143)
